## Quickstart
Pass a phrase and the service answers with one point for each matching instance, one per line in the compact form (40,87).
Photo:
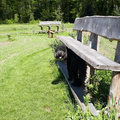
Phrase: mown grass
(31,87)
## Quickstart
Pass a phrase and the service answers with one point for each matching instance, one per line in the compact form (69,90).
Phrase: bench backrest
(106,26)
(49,22)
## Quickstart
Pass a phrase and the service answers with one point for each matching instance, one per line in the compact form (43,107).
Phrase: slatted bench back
(108,27)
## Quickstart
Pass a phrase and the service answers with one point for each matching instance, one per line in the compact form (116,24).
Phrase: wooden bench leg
(57,28)
(49,34)
(114,93)
(115,83)
(48,27)
(53,34)
(41,28)
(90,73)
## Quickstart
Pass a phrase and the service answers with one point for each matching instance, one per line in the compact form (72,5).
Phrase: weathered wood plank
(106,26)
(49,22)
(93,41)
(79,36)
(91,56)
(78,92)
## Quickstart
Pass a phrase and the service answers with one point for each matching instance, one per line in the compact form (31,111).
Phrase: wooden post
(79,36)
(93,43)
(48,27)
(57,28)
(41,27)
(53,34)
(49,34)
(115,83)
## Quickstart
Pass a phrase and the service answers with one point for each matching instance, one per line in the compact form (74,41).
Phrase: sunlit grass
(30,87)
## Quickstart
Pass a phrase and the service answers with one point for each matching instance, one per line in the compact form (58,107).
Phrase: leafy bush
(72,34)
(9,21)
(34,21)
(10,39)
(54,44)
(107,113)
(1,22)
(99,88)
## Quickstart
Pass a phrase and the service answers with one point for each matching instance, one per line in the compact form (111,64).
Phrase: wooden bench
(48,24)
(107,27)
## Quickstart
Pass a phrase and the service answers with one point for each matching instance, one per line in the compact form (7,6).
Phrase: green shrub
(10,39)
(34,21)
(72,34)
(107,113)
(54,44)
(99,88)
(9,21)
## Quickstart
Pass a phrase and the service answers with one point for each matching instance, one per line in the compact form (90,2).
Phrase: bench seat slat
(49,22)
(91,56)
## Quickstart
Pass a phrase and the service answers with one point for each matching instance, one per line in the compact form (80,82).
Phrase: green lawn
(30,87)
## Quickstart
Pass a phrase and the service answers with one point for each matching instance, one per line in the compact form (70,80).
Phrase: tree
(16,19)
(59,14)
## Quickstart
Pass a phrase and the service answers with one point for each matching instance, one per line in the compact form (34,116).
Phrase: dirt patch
(4,43)
(14,54)
(47,109)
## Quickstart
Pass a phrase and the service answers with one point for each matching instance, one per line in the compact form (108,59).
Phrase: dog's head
(60,52)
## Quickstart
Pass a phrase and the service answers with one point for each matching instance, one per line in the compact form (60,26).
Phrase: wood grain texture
(91,56)
(106,26)
(79,36)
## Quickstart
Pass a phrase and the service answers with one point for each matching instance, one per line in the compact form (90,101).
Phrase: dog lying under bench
(75,65)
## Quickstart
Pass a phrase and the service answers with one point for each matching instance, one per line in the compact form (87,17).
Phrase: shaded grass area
(31,87)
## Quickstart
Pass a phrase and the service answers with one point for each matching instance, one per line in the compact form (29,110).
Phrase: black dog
(75,65)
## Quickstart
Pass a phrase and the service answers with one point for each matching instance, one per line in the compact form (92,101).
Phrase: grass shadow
(59,78)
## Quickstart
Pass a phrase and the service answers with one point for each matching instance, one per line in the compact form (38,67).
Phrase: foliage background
(24,11)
